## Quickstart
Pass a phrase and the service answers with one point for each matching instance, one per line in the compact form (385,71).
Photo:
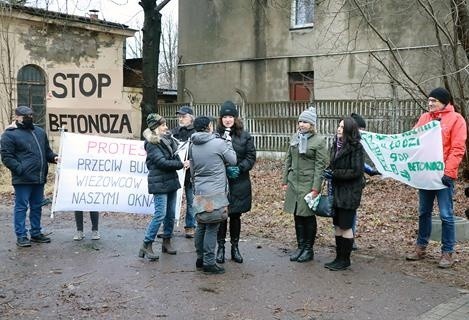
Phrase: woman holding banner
(162,163)
(346,173)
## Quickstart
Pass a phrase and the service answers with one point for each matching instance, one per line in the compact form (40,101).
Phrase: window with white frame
(302,13)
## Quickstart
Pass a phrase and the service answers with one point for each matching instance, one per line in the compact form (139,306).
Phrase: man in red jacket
(454,132)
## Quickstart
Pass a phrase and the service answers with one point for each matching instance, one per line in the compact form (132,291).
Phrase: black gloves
(447,181)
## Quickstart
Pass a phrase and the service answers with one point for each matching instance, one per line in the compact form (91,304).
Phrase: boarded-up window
(31,88)
(302,13)
(301,85)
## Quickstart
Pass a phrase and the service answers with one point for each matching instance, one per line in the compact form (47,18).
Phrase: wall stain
(64,45)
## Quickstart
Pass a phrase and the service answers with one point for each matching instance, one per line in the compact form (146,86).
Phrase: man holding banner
(183,133)
(453,132)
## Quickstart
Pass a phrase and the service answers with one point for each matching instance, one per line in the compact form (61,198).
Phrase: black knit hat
(201,123)
(359,120)
(441,94)
(228,108)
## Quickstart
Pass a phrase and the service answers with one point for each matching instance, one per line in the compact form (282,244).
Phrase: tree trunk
(150,57)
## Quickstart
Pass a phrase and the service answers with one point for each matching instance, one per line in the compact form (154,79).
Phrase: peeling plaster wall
(88,55)
(214,30)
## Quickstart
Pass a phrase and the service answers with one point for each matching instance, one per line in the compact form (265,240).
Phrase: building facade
(69,70)
(277,50)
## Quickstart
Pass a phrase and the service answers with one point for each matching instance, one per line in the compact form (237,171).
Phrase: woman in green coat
(306,160)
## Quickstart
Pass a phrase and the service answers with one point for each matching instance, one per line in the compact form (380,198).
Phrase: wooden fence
(272,123)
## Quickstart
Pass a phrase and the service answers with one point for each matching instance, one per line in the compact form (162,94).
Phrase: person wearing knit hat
(228,108)
(163,182)
(230,126)
(454,134)
(309,116)
(154,120)
(440,94)
(307,157)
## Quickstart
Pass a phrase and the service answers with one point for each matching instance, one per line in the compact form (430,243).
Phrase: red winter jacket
(454,133)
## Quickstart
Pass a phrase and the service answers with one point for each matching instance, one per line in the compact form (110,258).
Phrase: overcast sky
(127,12)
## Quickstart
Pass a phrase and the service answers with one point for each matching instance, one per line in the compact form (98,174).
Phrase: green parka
(303,173)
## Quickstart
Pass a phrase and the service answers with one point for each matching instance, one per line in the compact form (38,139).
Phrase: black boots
(310,227)
(300,237)
(147,250)
(305,229)
(343,251)
(221,235)
(235,230)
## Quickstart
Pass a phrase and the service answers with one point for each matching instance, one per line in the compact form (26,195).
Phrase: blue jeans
(165,209)
(28,195)
(445,204)
(190,216)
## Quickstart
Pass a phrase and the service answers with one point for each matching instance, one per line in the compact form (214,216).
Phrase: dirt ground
(105,279)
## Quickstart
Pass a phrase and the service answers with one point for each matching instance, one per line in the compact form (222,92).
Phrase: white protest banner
(414,157)
(102,174)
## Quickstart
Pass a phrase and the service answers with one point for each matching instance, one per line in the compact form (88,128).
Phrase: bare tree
(7,49)
(168,54)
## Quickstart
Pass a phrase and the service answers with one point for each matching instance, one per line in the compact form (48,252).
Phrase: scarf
(301,140)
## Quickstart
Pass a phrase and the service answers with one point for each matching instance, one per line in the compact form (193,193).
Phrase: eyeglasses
(433,100)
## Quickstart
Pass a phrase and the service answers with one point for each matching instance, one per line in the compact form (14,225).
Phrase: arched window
(31,85)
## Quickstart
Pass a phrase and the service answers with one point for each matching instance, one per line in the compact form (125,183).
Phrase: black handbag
(324,207)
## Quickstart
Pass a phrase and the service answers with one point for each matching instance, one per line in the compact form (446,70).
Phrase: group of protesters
(218,189)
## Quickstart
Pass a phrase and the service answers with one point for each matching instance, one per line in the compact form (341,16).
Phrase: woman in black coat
(346,173)
(240,194)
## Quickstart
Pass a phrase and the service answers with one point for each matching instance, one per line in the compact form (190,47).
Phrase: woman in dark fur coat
(346,172)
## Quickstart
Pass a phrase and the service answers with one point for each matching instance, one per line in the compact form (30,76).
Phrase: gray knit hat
(309,116)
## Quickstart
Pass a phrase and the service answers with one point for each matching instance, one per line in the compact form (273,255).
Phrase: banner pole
(57,172)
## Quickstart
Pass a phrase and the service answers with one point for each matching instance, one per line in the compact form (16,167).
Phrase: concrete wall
(82,64)
(229,45)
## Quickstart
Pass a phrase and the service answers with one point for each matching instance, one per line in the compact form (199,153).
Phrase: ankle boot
(147,250)
(221,235)
(338,252)
(221,252)
(167,247)
(300,239)
(309,226)
(235,254)
(344,258)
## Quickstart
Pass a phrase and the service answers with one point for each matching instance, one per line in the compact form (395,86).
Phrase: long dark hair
(237,128)
(350,134)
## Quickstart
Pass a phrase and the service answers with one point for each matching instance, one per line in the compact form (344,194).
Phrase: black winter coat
(26,153)
(347,178)
(162,163)
(240,192)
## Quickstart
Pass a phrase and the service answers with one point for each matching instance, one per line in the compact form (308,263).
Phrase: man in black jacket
(25,151)
(183,133)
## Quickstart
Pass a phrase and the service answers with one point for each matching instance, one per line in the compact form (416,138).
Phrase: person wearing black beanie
(454,134)
(440,94)
(229,125)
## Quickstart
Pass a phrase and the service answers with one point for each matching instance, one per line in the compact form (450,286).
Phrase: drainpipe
(191,96)
(243,102)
